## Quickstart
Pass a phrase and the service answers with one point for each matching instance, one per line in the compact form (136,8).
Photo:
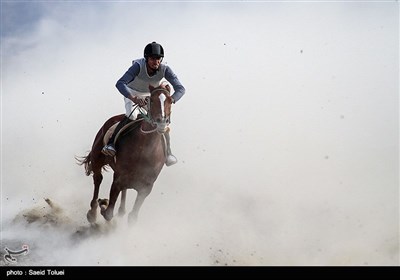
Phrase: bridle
(161,124)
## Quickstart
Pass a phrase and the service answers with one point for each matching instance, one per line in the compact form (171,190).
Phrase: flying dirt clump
(50,215)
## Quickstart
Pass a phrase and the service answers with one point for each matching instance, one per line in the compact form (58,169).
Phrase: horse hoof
(91,216)
(106,213)
(108,216)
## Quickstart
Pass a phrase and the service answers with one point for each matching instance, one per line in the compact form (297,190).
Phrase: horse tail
(86,162)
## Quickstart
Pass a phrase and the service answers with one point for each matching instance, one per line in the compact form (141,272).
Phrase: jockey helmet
(153,49)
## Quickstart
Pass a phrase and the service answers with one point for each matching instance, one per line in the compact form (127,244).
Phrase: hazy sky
(287,137)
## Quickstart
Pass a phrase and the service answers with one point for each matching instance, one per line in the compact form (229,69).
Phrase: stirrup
(171,160)
(109,150)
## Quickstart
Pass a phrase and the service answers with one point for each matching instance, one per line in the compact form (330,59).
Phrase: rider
(134,84)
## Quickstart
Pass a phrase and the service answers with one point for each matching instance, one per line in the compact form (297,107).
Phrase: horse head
(160,107)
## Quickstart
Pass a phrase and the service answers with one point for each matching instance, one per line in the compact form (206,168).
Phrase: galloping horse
(141,154)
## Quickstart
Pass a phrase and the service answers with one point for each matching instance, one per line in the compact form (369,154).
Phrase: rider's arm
(178,87)
(129,76)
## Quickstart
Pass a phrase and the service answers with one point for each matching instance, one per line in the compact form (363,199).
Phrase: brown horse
(141,154)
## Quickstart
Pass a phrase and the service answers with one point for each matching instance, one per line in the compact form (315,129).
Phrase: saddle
(125,129)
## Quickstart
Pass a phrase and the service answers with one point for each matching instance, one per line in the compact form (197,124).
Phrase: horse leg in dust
(141,196)
(108,211)
(121,209)
(92,213)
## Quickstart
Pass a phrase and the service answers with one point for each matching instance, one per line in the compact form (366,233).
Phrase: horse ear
(151,87)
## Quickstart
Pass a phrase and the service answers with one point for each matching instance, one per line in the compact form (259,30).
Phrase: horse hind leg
(92,213)
(121,209)
(141,196)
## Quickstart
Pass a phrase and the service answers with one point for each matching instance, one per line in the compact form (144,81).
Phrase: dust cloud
(287,137)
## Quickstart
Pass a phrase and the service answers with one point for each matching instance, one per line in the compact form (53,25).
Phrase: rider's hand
(140,101)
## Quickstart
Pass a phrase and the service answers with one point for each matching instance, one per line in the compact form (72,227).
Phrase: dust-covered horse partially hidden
(141,154)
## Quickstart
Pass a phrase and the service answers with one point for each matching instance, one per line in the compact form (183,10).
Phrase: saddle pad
(111,130)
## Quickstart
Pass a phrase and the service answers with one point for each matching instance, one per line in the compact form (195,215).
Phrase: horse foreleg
(108,212)
(141,196)
(92,213)
(121,209)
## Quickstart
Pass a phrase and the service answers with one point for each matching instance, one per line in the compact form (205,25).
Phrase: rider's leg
(171,159)
(109,149)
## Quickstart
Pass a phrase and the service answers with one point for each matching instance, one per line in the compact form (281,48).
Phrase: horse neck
(151,135)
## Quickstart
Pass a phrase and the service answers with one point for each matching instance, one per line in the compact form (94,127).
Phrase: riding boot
(171,159)
(109,149)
